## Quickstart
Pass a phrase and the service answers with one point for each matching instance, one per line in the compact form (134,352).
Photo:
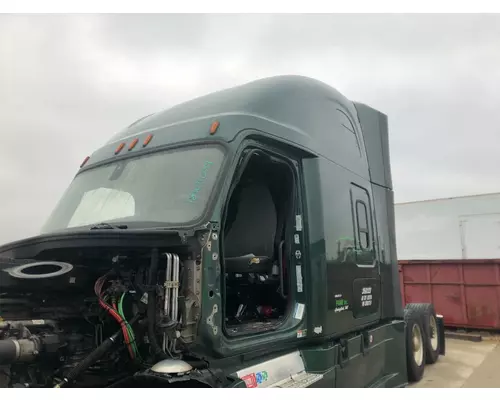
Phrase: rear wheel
(415,345)
(431,334)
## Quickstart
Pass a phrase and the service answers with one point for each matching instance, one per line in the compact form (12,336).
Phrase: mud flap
(441,337)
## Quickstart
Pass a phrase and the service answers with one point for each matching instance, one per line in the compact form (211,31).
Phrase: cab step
(301,380)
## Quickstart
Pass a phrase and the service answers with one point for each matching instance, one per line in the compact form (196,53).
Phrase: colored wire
(120,321)
(98,291)
(130,330)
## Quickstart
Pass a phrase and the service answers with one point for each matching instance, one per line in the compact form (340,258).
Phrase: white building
(453,228)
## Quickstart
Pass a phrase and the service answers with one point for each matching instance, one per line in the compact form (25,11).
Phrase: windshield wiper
(105,225)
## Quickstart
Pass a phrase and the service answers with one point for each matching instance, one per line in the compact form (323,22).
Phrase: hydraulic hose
(90,359)
(151,313)
(93,357)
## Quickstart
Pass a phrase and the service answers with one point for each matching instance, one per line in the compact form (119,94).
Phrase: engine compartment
(100,317)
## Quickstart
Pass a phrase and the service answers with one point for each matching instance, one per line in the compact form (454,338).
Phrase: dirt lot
(466,364)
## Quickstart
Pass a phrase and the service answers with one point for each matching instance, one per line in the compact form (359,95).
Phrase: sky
(70,82)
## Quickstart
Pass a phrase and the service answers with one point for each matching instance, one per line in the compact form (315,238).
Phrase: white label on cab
(298,223)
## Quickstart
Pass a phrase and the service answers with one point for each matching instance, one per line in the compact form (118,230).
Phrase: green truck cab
(252,232)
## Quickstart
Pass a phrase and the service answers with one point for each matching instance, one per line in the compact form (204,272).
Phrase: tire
(415,349)
(431,337)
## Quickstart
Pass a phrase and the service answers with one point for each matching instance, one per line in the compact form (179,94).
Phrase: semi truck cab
(257,225)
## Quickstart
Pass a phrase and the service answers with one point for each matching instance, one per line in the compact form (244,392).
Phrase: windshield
(170,187)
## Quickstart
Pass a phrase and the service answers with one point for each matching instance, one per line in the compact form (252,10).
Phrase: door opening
(255,256)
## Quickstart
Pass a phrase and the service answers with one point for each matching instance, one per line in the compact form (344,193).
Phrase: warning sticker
(250,380)
(300,284)
(298,223)
(302,333)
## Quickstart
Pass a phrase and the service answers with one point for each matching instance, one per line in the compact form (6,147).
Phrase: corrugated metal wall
(465,292)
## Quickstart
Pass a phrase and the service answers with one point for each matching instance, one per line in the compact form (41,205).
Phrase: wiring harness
(115,310)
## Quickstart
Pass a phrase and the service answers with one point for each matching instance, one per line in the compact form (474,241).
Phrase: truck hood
(29,248)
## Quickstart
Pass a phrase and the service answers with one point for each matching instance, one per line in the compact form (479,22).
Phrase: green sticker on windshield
(193,196)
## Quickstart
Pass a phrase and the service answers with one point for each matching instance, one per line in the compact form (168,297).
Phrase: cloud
(68,83)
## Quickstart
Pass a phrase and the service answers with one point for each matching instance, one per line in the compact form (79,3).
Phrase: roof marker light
(84,161)
(132,145)
(147,140)
(119,148)
(214,127)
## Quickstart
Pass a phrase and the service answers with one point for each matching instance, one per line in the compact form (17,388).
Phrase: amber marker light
(147,140)
(84,161)
(132,144)
(119,148)
(214,127)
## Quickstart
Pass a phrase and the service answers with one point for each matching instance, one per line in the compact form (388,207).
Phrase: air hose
(95,356)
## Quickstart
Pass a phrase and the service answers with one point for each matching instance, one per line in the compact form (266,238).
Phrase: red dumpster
(465,292)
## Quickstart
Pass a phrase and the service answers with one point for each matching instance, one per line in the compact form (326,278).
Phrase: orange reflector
(147,140)
(214,127)
(84,161)
(119,148)
(132,145)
